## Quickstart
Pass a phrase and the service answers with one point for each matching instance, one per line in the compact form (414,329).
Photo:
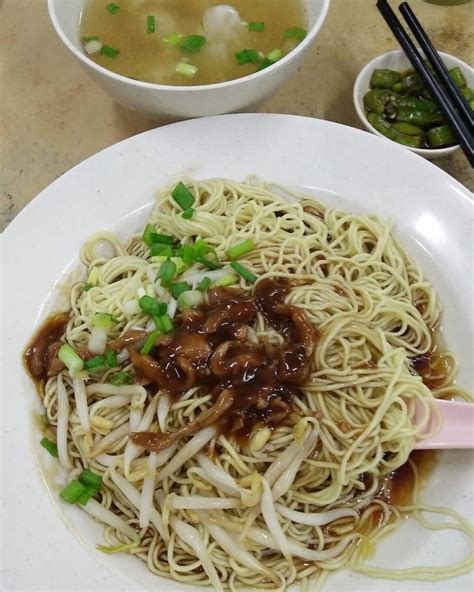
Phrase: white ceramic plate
(432,214)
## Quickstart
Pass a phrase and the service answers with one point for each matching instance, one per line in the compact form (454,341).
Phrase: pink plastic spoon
(457,429)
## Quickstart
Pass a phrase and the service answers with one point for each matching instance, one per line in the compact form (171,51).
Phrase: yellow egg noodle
(295,503)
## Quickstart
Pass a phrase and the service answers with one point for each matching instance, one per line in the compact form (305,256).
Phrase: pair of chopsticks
(445,93)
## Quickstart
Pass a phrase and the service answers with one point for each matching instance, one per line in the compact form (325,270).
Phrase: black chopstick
(437,63)
(457,124)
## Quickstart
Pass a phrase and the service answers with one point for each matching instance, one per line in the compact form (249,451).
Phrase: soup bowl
(182,102)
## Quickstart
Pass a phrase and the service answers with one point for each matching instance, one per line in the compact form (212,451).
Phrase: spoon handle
(457,429)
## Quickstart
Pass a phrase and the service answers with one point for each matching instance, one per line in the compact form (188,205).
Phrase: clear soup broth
(190,42)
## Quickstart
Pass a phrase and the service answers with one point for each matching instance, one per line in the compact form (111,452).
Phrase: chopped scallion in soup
(190,42)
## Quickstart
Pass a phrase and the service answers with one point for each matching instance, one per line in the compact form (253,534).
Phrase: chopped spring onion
(90,479)
(179,288)
(87,287)
(165,239)
(260,26)
(188,214)
(50,446)
(190,299)
(182,196)
(248,56)
(113,8)
(90,38)
(185,69)
(72,492)
(295,33)
(161,250)
(87,495)
(108,51)
(70,359)
(187,254)
(265,63)
(180,264)
(150,342)
(244,272)
(111,357)
(193,43)
(150,236)
(241,249)
(96,364)
(122,378)
(152,307)
(150,24)
(103,320)
(227,280)
(206,255)
(164,323)
(204,284)
(275,55)
(147,236)
(166,273)
(173,38)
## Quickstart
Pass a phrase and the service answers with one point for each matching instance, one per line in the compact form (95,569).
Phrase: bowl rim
(312,32)
(361,112)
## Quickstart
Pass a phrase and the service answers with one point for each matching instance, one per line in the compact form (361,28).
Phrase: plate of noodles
(215,336)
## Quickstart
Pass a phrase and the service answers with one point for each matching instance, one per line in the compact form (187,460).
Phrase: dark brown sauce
(42,349)
(433,367)
(398,487)
(211,350)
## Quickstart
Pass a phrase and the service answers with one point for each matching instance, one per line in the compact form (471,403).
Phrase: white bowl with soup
(190,58)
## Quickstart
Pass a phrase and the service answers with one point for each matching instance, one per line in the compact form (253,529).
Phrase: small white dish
(397,60)
(183,102)
(432,215)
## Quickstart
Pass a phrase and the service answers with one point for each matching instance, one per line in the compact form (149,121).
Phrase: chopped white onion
(97,340)
(172,307)
(131,308)
(194,278)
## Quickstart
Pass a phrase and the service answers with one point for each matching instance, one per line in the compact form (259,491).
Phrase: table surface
(54,116)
